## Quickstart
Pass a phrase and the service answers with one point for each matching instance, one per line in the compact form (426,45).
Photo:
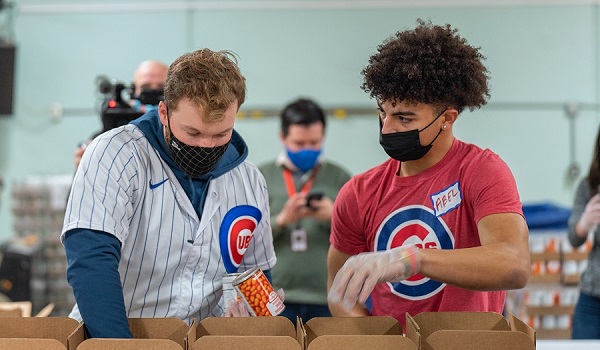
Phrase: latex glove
(355,281)
(591,215)
(238,308)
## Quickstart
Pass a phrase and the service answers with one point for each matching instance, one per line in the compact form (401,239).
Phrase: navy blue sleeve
(268,276)
(93,273)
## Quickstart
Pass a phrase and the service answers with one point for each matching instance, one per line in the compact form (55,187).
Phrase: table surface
(568,345)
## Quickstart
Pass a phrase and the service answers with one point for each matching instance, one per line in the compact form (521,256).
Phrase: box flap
(159,328)
(301,333)
(190,337)
(76,337)
(369,325)
(413,332)
(263,342)
(517,325)
(129,344)
(45,311)
(430,322)
(58,328)
(31,344)
(250,326)
(361,342)
(478,339)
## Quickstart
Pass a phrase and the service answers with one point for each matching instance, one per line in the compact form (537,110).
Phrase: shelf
(577,256)
(553,333)
(570,280)
(544,279)
(550,310)
(545,256)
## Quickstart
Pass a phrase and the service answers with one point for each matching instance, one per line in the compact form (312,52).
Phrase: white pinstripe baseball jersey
(172,262)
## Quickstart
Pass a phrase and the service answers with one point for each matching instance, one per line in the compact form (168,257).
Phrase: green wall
(540,58)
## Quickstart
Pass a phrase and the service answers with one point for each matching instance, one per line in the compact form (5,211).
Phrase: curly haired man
(439,225)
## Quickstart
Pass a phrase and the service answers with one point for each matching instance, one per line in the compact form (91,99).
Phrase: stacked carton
(38,207)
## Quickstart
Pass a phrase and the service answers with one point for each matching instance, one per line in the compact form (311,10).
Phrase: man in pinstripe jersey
(163,207)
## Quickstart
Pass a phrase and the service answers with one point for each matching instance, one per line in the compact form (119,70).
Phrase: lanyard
(291,187)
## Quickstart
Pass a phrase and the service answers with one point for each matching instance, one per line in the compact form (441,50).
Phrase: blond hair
(209,79)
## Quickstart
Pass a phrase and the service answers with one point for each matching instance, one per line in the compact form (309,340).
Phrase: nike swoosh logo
(153,186)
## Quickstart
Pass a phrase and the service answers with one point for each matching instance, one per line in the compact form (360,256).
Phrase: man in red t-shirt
(438,226)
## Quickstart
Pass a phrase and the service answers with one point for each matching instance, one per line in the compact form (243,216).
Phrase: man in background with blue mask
(439,225)
(302,187)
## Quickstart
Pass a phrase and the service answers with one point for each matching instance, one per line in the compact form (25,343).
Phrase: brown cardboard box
(361,342)
(21,333)
(154,333)
(263,342)
(23,309)
(31,344)
(344,330)
(275,332)
(468,331)
(11,313)
(370,325)
(129,344)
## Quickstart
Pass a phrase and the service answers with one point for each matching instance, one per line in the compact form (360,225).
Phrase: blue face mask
(305,159)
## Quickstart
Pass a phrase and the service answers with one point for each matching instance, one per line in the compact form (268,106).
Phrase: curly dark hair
(429,64)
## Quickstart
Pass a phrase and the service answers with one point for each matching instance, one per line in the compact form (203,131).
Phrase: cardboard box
(468,331)
(361,342)
(369,325)
(129,344)
(31,344)
(275,332)
(40,333)
(345,326)
(148,333)
(15,309)
(263,342)
(23,309)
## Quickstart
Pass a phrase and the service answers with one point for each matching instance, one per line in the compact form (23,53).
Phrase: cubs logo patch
(418,226)
(235,234)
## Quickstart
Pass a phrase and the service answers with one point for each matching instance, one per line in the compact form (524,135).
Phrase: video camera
(114,109)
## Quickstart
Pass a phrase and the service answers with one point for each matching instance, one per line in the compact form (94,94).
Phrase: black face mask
(150,96)
(406,145)
(195,161)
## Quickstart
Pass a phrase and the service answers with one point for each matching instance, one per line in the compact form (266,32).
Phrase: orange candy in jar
(258,294)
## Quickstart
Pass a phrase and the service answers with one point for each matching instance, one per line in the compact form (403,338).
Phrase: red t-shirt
(436,209)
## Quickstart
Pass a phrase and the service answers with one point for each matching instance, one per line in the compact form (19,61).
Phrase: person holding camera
(302,187)
(147,89)
(163,207)
(148,85)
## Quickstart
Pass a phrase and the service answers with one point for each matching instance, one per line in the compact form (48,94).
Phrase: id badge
(299,240)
